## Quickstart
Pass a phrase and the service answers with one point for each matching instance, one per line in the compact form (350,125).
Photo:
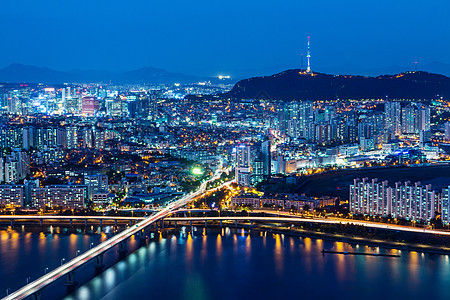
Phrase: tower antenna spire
(308,68)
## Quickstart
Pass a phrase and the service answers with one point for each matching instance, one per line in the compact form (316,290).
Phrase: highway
(50,217)
(37,285)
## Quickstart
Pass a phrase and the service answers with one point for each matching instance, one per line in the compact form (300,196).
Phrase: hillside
(299,85)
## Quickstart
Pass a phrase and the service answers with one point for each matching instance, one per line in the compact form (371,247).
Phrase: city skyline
(208,39)
(224,150)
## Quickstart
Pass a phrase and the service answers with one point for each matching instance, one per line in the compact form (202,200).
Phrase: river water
(228,264)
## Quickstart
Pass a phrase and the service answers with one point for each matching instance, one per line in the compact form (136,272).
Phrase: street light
(28,279)
(62,260)
(76,253)
(45,270)
(90,245)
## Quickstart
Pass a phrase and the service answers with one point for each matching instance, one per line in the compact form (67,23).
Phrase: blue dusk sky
(210,37)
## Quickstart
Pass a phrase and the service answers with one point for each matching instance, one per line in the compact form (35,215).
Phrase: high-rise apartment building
(406,201)
(392,121)
(447,131)
(242,164)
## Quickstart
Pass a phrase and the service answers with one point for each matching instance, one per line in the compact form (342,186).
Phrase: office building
(89,106)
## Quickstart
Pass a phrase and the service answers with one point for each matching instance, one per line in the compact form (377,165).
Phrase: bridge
(298,220)
(68,269)
(41,218)
(266,219)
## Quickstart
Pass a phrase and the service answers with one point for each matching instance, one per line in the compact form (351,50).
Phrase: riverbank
(358,240)
(373,241)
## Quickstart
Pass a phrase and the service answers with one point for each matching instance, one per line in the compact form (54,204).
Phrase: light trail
(307,220)
(38,284)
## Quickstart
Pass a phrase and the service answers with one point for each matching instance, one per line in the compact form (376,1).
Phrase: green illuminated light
(197,171)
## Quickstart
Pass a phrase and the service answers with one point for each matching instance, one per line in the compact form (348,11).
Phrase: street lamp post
(62,260)
(45,270)
(28,279)
(90,245)
(77,252)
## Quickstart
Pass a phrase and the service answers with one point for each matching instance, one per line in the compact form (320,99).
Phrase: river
(224,264)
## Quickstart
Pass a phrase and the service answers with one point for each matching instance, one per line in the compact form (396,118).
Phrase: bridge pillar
(99,262)
(130,223)
(251,223)
(281,223)
(115,223)
(161,224)
(220,223)
(141,236)
(101,223)
(235,223)
(12,222)
(190,223)
(41,222)
(206,224)
(123,248)
(175,224)
(71,222)
(85,222)
(70,280)
(36,296)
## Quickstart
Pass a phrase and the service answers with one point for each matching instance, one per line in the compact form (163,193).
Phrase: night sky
(210,37)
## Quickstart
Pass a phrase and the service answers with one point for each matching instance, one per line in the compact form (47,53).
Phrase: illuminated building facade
(411,202)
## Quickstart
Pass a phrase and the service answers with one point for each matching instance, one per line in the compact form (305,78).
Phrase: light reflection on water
(28,252)
(276,264)
(413,266)
(218,247)
(278,255)
(186,266)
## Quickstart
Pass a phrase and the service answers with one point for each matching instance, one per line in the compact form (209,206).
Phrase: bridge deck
(308,220)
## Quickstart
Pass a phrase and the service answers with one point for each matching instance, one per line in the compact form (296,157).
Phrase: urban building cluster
(340,123)
(147,139)
(281,201)
(305,135)
(413,202)
(71,196)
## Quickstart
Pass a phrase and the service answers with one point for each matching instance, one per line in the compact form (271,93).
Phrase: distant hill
(154,76)
(18,73)
(299,85)
(433,67)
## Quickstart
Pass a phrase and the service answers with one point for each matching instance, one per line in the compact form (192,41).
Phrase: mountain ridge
(20,73)
(296,84)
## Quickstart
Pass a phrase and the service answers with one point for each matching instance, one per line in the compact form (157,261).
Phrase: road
(49,217)
(360,222)
(73,264)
